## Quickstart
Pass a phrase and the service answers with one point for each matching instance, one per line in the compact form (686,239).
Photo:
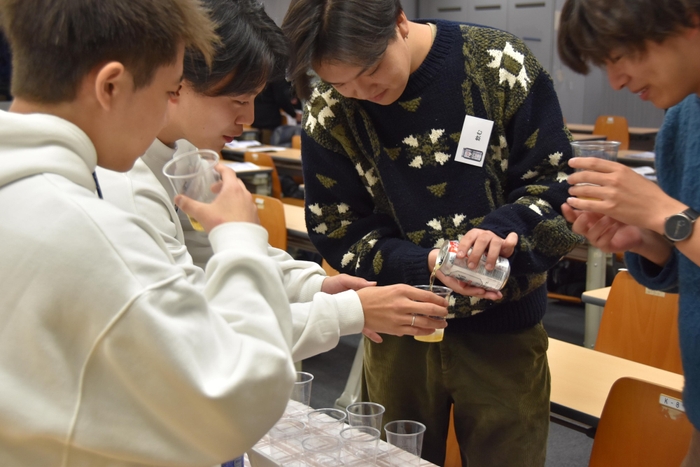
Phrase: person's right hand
(233,203)
(390,310)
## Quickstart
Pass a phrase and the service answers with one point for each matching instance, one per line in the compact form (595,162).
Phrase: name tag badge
(474,141)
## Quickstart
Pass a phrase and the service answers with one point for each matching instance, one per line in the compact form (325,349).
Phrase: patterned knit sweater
(677,165)
(383,188)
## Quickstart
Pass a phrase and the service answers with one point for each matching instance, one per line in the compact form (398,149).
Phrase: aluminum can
(448,263)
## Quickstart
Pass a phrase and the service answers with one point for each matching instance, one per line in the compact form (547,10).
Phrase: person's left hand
(342,282)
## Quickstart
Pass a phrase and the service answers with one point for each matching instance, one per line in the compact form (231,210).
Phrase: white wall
(276,9)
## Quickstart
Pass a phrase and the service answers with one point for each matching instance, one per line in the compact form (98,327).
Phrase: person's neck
(62,110)
(420,37)
(170,134)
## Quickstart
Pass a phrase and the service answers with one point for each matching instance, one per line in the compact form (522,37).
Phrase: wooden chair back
(271,213)
(265,160)
(640,325)
(615,128)
(453,457)
(296,142)
(641,426)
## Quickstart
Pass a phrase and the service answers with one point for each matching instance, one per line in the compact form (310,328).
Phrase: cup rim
(381,408)
(370,429)
(326,410)
(609,144)
(435,287)
(413,422)
(309,377)
(179,157)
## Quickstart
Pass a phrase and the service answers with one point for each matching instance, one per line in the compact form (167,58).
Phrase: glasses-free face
(210,122)
(136,116)
(382,82)
(664,73)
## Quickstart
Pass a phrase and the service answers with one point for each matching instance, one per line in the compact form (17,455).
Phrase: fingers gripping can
(448,263)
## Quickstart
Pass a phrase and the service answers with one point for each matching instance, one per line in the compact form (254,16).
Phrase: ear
(111,81)
(402,24)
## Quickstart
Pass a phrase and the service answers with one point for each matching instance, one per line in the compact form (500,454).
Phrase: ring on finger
(413,321)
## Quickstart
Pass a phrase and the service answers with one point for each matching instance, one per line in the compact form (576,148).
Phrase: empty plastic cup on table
(192,174)
(365,414)
(322,451)
(285,440)
(444,292)
(300,399)
(360,445)
(408,436)
(325,421)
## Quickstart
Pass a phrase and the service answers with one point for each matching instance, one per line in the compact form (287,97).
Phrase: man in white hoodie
(108,354)
(211,108)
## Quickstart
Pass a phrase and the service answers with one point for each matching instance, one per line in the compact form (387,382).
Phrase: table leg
(595,279)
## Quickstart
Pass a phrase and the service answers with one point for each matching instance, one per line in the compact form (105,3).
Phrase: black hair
(252,52)
(591,30)
(354,32)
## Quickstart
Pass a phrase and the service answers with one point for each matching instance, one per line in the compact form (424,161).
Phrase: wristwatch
(679,226)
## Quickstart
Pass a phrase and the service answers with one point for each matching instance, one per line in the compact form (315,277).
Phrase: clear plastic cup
(325,421)
(192,174)
(439,333)
(300,399)
(360,445)
(322,451)
(365,414)
(601,149)
(408,436)
(285,440)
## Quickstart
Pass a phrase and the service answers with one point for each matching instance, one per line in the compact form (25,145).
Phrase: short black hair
(56,43)
(591,30)
(252,51)
(354,32)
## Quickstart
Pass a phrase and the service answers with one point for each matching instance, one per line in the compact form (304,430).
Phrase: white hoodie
(108,354)
(319,319)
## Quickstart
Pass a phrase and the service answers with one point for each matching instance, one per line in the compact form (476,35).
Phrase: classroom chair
(642,425)
(271,213)
(296,142)
(640,324)
(265,160)
(615,128)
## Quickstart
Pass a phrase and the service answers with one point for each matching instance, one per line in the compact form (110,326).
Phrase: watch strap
(691,214)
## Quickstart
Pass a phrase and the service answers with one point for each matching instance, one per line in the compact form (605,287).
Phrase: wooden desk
(588,137)
(582,378)
(257,179)
(287,160)
(633,157)
(297,235)
(633,130)
(596,297)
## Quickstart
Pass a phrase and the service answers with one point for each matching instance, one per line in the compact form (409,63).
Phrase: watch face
(678,227)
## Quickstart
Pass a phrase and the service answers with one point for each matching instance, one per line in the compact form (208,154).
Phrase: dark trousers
(499,384)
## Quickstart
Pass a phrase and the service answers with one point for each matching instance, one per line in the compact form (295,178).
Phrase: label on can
(237,462)
(451,266)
